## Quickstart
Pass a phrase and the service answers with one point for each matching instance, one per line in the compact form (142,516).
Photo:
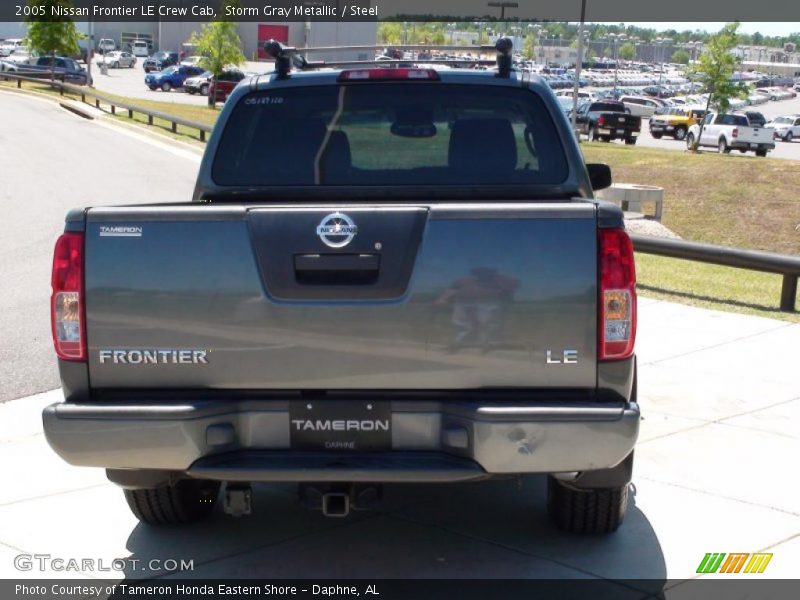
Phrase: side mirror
(599,175)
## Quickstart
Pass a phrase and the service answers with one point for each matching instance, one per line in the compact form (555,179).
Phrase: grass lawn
(731,200)
(711,286)
(201,114)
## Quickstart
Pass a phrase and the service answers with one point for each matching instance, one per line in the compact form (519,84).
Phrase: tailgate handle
(336,269)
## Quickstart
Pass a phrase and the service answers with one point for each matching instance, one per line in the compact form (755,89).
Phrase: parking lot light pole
(578,64)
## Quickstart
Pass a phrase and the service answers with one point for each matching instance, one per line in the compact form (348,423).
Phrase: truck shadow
(491,529)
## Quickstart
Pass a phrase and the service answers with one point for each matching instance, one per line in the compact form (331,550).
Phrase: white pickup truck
(728,131)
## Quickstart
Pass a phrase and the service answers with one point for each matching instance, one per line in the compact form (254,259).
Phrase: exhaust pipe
(336,504)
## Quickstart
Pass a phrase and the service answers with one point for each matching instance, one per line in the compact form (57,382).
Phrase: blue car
(171,77)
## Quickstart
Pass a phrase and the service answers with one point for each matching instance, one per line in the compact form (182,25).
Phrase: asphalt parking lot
(130,83)
(788,150)
(720,395)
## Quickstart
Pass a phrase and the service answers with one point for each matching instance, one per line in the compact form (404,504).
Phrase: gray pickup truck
(388,274)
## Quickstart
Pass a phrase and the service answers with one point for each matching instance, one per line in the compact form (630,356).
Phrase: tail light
(67,300)
(617,301)
(601,120)
(735,132)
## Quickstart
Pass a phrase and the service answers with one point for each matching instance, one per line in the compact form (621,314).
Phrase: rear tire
(761,153)
(657,136)
(577,510)
(166,86)
(788,137)
(630,141)
(680,134)
(204,89)
(723,146)
(187,501)
(593,137)
(690,142)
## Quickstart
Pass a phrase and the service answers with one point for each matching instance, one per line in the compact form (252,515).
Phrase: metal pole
(578,66)
(788,293)
(89,48)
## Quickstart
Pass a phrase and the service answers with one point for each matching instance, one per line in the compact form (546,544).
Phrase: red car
(221,87)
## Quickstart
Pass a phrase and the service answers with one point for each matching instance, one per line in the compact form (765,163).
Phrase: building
(773,68)
(172,35)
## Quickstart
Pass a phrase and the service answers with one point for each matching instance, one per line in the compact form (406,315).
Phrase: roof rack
(287,57)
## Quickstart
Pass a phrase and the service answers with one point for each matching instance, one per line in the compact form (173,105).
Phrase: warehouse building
(172,35)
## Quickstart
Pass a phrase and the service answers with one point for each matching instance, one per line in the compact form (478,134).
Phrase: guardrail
(753,260)
(99,97)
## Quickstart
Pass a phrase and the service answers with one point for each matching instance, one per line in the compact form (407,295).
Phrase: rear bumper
(615,133)
(753,146)
(431,441)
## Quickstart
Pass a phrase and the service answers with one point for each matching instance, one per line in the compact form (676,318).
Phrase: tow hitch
(238,499)
(337,500)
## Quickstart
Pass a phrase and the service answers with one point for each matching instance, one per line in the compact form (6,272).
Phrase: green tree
(680,57)
(715,68)
(220,47)
(53,38)
(528,48)
(390,33)
(627,51)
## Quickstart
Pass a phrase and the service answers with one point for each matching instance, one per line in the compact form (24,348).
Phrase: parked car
(303,350)
(191,61)
(607,120)
(160,60)
(8,46)
(22,56)
(106,45)
(786,128)
(7,67)
(171,78)
(675,121)
(658,91)
(639,106)
(730,131)
(198,84)
(222,87)
(63,67)
(140,48)
(756,119)
(117,59)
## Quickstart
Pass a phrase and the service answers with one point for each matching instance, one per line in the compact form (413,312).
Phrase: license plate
(754,146)
(620,131)
(340,425)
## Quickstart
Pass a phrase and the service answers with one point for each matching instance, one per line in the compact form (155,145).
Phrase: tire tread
(586,511)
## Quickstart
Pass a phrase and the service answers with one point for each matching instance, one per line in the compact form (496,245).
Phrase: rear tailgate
(440,296)
(755,135)
(621,121)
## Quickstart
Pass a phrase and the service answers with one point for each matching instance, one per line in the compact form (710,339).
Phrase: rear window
(607,107)
(379,134)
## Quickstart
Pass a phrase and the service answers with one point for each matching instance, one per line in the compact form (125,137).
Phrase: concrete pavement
(720,394)
(53,161)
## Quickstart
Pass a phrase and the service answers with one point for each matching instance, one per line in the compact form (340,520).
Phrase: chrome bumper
(207,437)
